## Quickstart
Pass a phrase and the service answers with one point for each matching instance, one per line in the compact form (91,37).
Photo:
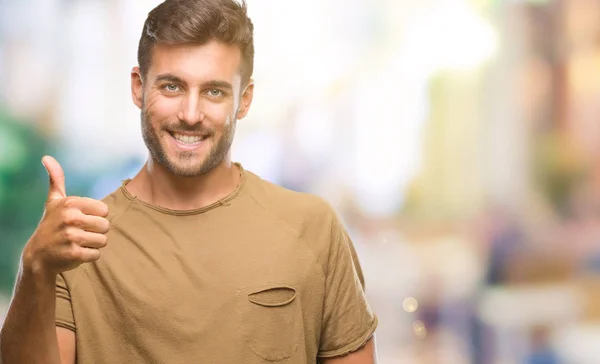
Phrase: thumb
(56,174)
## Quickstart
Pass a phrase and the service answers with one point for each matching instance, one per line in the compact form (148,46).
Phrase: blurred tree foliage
(23,190)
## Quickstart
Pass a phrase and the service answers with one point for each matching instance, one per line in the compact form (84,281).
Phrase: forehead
(197,63)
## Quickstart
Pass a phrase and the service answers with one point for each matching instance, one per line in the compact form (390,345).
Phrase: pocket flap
(273,296)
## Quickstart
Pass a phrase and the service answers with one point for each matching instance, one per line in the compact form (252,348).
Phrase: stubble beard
(183,164)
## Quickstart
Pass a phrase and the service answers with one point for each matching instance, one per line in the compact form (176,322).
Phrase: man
(202,262)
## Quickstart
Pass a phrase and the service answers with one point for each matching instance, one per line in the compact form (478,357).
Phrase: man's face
(190,101)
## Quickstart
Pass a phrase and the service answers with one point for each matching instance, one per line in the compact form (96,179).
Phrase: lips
(188,139)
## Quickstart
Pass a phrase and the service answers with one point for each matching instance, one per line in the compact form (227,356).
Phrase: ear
(137,87)
(246,100)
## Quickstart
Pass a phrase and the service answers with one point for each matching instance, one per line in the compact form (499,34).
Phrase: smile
(187,139)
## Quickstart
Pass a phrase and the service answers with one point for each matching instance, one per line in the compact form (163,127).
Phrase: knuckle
(71,218)
(51,205)
(75,252)
(72,235)
(70,201)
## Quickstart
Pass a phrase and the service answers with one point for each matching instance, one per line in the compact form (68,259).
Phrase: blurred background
(459,140)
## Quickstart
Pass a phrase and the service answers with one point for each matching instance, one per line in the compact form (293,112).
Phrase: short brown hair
(198,22)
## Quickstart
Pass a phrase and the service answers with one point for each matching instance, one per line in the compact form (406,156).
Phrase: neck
(158,186)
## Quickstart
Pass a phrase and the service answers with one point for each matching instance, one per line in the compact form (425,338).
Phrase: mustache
(184,127)
(177,126)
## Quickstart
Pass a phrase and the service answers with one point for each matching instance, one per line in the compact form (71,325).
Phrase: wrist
(34,269)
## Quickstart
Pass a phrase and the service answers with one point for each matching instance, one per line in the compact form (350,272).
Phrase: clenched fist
(72,230)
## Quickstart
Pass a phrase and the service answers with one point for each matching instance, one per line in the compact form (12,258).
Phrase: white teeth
(187,139)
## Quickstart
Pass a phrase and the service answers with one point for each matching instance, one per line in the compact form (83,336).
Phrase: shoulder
(117,201)
(311,217)
(297,208)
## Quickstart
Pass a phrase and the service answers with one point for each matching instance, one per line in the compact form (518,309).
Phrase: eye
(215,92)
(171,87)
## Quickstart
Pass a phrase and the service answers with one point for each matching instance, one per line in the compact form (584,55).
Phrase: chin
(186,170)
(183,169)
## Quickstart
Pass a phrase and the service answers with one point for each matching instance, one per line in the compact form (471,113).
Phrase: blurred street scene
(459,140)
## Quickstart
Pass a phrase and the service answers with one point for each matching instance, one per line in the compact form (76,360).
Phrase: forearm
(28,334)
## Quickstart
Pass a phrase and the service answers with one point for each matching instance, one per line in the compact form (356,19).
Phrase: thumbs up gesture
(72,230)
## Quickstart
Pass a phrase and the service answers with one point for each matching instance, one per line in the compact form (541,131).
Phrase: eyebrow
(169,77)
(219,84)
(213,83)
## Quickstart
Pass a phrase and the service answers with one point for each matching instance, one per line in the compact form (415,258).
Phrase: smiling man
(193,260)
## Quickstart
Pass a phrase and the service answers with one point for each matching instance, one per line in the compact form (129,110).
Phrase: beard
(187,163)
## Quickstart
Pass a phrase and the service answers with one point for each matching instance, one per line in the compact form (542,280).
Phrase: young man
(202,262)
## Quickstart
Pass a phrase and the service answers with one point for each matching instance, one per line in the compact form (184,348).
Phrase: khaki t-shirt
(263,275)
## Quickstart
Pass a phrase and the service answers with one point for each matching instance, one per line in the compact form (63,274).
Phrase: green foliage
(23,190)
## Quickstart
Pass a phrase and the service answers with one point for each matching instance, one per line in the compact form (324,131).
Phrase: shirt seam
(63,323)
(354,345)
(300,237)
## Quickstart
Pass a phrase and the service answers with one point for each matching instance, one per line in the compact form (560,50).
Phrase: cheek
(161,108)
(219,114)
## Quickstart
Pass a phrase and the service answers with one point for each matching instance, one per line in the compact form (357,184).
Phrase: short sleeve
(348,322)
(64,310)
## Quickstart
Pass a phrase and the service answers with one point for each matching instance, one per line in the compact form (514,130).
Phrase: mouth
(188,141)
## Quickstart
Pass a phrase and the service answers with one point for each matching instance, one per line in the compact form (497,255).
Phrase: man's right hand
(72,230)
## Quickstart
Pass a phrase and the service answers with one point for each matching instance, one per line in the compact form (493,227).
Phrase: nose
(191,110)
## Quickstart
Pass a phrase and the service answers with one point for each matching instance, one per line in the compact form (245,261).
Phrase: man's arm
(28,334)
(365,355)
(71,232)
(66,345)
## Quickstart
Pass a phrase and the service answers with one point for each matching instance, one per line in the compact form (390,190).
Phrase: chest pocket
(271,321)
